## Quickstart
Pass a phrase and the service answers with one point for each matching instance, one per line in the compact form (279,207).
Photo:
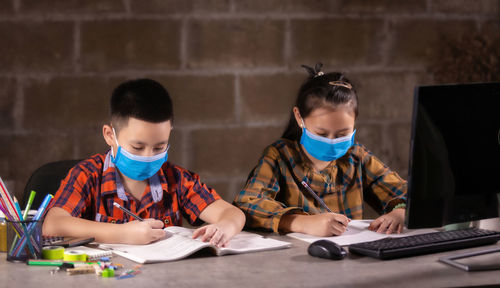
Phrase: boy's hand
(226,220)
(143,232)
(217,234)
(391,222)
(326,224)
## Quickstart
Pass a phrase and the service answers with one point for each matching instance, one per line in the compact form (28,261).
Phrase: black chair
(46,180)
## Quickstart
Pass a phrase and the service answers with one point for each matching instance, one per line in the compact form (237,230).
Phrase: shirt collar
(157,182)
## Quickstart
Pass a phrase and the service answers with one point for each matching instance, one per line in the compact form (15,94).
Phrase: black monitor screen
(454,173)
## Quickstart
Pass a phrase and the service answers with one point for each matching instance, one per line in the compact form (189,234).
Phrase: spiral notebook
(92,253)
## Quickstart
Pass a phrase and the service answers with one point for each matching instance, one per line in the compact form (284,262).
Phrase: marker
(319,200)
(127,211)
(25,215)
(21,219)
(56,262)
(28,205)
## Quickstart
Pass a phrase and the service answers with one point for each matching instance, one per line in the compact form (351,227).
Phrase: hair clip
(341,83)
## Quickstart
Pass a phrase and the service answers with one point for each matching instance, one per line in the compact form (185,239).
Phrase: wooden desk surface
(291,267)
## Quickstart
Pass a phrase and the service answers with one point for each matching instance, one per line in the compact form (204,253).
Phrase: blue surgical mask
(323,148)
(137,167)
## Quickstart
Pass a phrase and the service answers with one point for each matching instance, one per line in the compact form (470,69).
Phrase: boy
(135,174)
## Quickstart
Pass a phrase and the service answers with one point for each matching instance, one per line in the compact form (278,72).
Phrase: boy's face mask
(137,167)
(323,148)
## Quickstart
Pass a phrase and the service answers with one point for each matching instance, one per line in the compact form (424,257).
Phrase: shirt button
(113,221)
(166,221)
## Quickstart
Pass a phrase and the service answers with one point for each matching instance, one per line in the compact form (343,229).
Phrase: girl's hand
(142,232)
(217,234)
(326,224)
(392,222)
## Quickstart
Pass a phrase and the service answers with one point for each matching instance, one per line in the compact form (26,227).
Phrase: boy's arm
(59,222)
(74,195)
(225,221)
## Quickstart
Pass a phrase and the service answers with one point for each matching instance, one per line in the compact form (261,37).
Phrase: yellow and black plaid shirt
(273,187)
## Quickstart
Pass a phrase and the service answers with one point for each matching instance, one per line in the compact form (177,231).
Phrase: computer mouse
(326,249)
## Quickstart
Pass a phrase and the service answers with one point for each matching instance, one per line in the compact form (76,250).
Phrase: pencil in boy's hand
(127,211)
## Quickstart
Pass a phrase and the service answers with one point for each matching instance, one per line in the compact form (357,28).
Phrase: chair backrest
(46,180)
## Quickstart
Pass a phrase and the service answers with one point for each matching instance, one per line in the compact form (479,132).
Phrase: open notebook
(179,244)
(358,232)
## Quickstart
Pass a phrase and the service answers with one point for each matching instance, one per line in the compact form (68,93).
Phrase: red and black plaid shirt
(91,187)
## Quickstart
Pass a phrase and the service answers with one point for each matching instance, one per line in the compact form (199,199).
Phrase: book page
(180,244)
(358,232)
(243,242)
(174,247)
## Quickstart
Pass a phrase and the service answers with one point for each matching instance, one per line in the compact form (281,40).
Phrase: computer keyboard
(389,248)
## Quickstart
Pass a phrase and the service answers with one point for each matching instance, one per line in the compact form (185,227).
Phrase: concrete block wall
(232,68)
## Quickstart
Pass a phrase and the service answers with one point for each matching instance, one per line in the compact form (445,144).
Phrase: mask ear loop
(116,141)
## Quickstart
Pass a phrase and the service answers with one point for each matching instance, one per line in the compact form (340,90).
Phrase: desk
(279,268)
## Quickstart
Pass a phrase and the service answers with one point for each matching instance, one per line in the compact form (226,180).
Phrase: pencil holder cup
(24,240)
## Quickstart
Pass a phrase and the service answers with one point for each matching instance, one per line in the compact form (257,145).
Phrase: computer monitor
(454,173)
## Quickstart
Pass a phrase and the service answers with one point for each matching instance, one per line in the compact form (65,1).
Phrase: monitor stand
(451,260)
(459,226)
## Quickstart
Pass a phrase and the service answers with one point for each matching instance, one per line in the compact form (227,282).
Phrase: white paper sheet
(358,232)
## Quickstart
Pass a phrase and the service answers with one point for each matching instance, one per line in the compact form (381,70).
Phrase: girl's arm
(258,197)
(389,188)
(323,225)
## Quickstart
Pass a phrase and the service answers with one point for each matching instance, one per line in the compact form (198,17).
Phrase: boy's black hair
(144,99)
(320,90)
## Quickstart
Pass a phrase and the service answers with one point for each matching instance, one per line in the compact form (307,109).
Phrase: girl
(318,148)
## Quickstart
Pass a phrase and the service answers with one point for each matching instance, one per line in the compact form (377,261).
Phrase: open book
(358,232)
(179,244)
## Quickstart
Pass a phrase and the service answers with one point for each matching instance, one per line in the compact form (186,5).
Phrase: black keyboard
(389,248)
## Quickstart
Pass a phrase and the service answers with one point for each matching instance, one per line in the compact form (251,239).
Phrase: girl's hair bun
(314,72)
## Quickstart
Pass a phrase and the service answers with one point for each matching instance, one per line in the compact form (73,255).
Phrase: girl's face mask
(137,167)
(323,148)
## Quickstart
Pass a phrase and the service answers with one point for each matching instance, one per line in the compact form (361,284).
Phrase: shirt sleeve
(73,193)
(386,185)
(194,196)
(258,198)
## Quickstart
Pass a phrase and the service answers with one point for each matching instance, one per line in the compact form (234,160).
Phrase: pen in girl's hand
(319,200)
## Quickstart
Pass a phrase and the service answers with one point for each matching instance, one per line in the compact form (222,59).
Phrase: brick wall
(232,67)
